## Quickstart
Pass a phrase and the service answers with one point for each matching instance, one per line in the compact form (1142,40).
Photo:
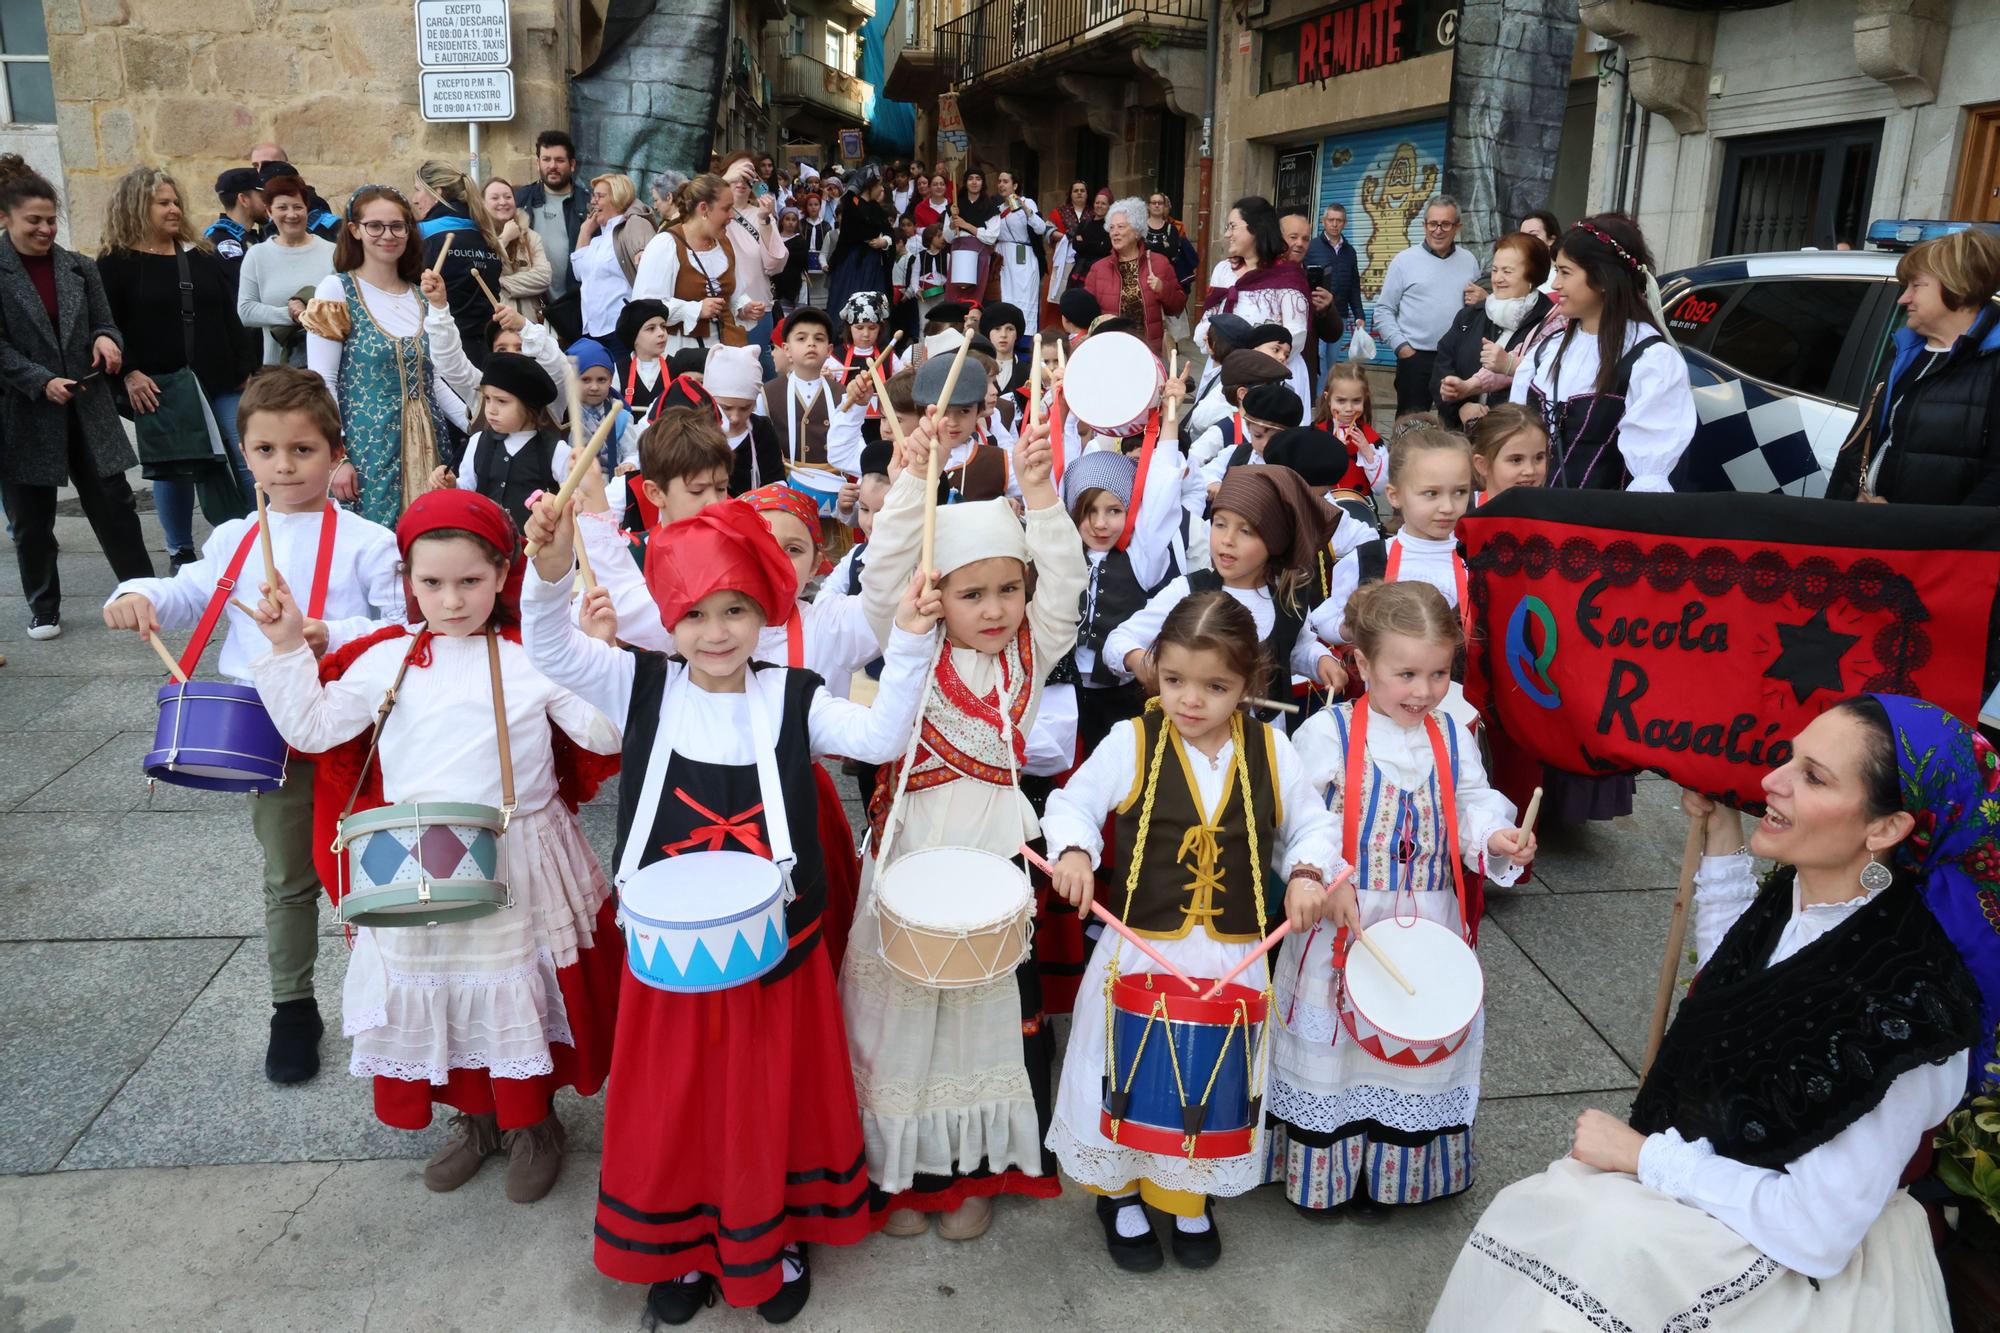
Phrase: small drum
(954,917)
(1112,384)
(822,484)
(422,863)
(1395,1026)
(1185,1073)
(704,921)
(215,736)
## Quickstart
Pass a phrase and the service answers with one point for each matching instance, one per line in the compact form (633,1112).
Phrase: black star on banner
(1809,656)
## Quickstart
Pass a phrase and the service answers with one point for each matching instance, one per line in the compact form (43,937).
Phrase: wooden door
(1978,195)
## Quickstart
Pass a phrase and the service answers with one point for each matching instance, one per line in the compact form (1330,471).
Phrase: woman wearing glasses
(365,338)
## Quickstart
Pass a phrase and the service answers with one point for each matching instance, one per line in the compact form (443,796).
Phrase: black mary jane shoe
(791,1298)
(1134,1254)
(1199,1249)
(293,1053)
(1365,1210)
(674,1302)
(1323,1216)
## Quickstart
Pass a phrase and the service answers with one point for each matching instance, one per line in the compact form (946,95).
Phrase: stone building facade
(193,84)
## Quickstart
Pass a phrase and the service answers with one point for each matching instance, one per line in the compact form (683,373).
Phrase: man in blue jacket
(555,208)
(1333,269)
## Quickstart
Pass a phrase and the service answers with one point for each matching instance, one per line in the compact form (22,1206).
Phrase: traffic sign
(466,94)
(464,34)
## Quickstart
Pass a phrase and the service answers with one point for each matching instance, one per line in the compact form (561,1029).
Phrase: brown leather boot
(460,1160)
(534,1159)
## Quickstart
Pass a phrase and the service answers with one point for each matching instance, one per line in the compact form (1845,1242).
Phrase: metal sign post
(464,50)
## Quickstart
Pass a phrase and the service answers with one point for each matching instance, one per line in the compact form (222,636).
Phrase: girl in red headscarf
(489,1015)
(731,1135)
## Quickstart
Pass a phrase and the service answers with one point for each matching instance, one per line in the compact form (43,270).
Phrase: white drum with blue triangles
(703,921)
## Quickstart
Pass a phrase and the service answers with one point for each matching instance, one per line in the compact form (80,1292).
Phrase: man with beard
(556,208)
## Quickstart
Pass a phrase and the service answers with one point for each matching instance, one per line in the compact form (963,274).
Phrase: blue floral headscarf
(1950,778)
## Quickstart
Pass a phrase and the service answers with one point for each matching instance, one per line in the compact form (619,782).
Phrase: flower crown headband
(1598,233)
(365,189)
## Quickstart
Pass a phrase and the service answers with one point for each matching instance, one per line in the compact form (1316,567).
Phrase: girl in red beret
(731,1136)
(489,1015)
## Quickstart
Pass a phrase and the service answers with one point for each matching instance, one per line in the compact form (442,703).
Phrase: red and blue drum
(1185,1075)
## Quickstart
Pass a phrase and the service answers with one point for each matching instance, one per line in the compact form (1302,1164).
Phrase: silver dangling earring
(1876,877)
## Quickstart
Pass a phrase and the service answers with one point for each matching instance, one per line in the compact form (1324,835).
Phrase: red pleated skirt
(843,867)
(590,995)
(730,1131)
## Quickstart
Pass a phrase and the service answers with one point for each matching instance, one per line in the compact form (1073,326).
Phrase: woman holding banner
(1757,1183)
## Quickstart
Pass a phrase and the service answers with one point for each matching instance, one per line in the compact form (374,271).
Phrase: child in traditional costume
(1345,406)
(1267,529)
(488,1015)
(290,428)
(730,1136)
(1205,802)
(1430,484)
(517,449)
(944,1076)
(1403,781)
(1510,447)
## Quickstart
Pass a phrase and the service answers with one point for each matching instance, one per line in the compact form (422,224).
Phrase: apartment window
(795,36)
(836,47)
(1784,191)
(27,95)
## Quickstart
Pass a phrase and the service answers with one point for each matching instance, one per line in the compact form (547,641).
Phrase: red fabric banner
(1696,635)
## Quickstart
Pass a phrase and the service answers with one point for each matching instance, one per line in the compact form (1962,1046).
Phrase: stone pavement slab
(30,761)
(136,875)
(75,1021)
(1603,952)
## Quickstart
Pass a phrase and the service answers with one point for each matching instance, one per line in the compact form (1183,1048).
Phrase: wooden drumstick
(882,394)
(1035,392)
(1170,421)
(491,299)
(1277,705)
(167,657)
(1098,910)
(580,464)
(264,539)
(437,265)
(1534,808)
(582,555)
(931,472)
(1383,959)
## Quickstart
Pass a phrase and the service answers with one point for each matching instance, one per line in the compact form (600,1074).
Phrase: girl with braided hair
(1207,801)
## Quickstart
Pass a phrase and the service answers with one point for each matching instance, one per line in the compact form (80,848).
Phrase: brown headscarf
(1294,520)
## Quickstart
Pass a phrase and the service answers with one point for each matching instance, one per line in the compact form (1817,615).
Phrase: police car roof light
(1902,233)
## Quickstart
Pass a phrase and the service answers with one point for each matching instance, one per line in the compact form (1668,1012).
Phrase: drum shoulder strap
(418,642)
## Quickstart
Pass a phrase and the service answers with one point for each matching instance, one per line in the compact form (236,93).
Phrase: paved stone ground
(154,1179)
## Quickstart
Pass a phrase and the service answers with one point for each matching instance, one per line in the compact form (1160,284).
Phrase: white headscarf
(978,530)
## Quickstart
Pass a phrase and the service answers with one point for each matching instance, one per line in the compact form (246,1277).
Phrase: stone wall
(193,84)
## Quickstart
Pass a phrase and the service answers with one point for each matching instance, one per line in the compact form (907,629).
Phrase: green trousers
(282,820)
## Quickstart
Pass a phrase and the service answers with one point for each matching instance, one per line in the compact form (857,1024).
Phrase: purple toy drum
(215,736)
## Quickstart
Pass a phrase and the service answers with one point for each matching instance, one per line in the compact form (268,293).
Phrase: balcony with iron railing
(911,70)
(816,85)
(1006,37)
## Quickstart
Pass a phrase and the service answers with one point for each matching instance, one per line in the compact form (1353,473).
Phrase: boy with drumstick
(345,569)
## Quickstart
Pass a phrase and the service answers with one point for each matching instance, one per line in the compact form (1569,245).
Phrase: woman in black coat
(58,346)
(1509,317)
(1929,430)
(860,261)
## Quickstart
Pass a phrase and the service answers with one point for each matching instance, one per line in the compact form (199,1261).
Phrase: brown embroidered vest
(812,422)
(1194,866)
(691,284)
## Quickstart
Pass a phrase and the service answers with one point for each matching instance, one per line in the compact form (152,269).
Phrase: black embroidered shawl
(1768,1063)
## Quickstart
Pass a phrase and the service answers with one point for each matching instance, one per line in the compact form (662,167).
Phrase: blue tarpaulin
(892,126)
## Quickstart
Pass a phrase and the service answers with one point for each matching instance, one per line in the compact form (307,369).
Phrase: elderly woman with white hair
(1133,282)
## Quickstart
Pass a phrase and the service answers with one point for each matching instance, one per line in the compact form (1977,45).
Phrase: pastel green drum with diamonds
(422,863)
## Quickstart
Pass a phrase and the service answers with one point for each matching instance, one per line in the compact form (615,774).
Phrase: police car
(1781,349)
